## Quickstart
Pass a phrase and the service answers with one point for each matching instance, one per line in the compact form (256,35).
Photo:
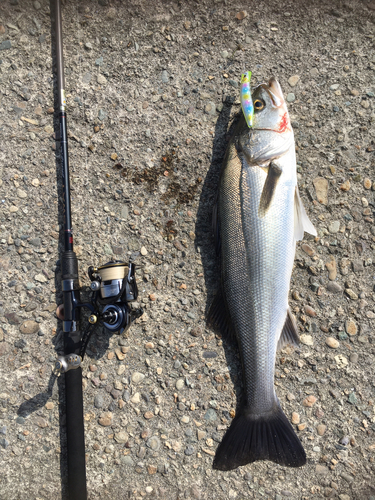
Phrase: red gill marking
(283,125)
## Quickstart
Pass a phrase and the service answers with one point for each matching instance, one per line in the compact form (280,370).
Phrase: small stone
(334,287)
(102,79)
(351,294)
(165,76)
(302,427)
(354,357)
(41,278)
(99,401)
(306,339)
(210,415)
(321,189)
(321,469)
(136,398)
(154,443)
(290,97)
(29,326)
(180,384)
(293,80)
(309,401)
(345,186)
(320,429)
(50,405)
(350,327)
(121,437)
(332,269)
(334,227)
(105,419)
(5,45)
(295,418)
(137,377)
(352,399)
(307,249)
(332,342)
(148,415)
(143,251)
(348,478)
(310,311)
(358,266)
(185,419)
(367,183)
(21,193)
(241,15)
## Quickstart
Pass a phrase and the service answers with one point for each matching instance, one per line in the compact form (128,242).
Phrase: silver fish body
(260,217)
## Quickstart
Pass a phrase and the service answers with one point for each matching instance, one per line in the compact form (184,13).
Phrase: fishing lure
(246,100)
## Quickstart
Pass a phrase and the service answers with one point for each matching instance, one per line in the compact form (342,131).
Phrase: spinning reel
(113,287)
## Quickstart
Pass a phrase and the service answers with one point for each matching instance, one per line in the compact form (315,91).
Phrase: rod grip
(71,300)
(75,435)
(69,265)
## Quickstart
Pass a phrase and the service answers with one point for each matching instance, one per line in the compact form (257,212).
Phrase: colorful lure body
(246,100)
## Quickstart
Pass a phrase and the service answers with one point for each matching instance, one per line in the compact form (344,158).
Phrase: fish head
(270,111)
(271,134)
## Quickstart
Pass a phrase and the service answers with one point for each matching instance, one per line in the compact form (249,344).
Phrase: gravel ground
(152,92)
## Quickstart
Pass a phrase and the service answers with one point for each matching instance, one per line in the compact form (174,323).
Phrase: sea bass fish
(259,217)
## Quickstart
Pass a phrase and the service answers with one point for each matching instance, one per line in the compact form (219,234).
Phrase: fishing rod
(113,287)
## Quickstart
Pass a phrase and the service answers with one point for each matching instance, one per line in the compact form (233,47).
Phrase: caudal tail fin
(253,437)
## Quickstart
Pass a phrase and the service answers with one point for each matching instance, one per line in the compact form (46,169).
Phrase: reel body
(113,287)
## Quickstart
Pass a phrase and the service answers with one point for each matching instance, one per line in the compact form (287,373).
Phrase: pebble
(321,469)
(5,45)
(154,443)
(332,342)
(136,398)
(143,251)
(99,401)
(210,415)
(350,327)
(310,311)
(309,401)
(320,429)
(334,287)
(351,294)
(295,418)
(306,339)
(165,76)
(121,437)
(334,227)
(180,384)
(353,357)
(137,377)
(290,97)
(185,419)
(293,80)
(321,189)
(367,183)
(21,194)
(105,419)
(29,326)
(345,186)
(307,249)
(102,80)
(332,269)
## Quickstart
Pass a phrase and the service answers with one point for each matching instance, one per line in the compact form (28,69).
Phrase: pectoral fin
(269,187)
(301,221)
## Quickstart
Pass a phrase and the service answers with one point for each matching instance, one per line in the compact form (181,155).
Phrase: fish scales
(260,217)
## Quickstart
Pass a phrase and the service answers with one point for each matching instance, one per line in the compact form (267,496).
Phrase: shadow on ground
(205,241)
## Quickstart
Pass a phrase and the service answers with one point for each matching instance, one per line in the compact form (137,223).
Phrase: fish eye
(259,104)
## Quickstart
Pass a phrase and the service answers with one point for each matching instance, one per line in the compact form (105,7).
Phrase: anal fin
(302,223)
(289,334)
